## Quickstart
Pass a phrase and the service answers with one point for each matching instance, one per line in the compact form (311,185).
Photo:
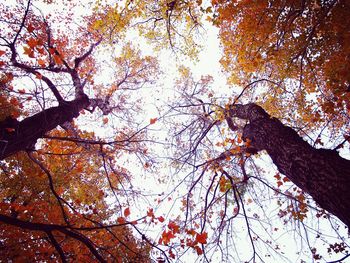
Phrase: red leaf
(52,50)
(199,250)
(150,213)
(14,101)
(30,28)
(41,50)
(127,212)
(161,219)
(15,114)
(121,220)
(278,176)
(174,227)
(285,179)
(153,120)
(202,238)
(2,52)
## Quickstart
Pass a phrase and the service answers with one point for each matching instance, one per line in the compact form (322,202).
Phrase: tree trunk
(321,173)
(18,136)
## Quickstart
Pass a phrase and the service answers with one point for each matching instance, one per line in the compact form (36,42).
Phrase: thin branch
(57,246)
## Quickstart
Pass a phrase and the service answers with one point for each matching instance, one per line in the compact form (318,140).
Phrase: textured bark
(321,173)
(18,136)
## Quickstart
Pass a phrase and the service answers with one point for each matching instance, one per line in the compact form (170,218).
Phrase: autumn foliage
(102,160)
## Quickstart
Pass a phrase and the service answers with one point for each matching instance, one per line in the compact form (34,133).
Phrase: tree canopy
(114,148)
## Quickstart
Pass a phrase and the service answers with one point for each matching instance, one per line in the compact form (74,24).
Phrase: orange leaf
(285,179)
(29,52)
(150,213)
(127,212)
(191,232)
(153,120)
(57,59)
(32,43)
(202,238)
(41,62)
(166,237)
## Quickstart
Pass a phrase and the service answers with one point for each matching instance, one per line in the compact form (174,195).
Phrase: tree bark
(321,173)
(18,136)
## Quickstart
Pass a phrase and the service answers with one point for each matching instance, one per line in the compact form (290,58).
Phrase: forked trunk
(18,136)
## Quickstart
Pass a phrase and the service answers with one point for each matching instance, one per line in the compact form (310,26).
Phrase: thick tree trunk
(321,173)
(18,136)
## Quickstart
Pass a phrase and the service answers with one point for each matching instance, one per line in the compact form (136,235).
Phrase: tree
(54,191)
(294,46)
(67,192)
